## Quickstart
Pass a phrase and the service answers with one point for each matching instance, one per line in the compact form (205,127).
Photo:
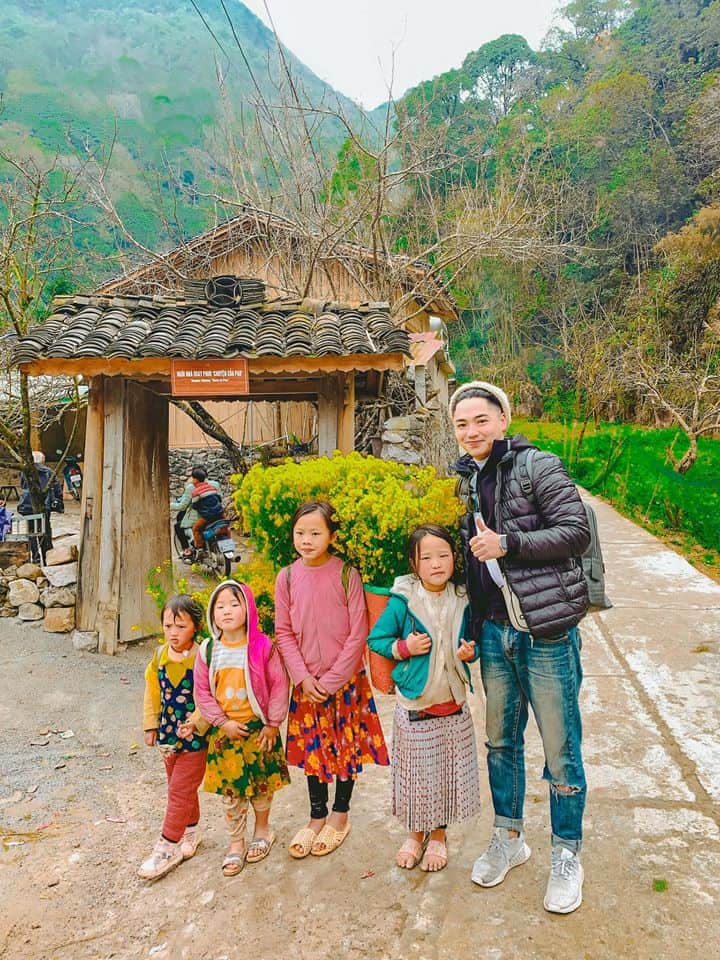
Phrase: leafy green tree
(496,71)
(590,18)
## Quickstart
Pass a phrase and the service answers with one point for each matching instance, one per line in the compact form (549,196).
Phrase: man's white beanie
(500,396)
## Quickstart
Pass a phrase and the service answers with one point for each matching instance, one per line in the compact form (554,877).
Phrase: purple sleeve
(284,633)
(204,699)
(350,657)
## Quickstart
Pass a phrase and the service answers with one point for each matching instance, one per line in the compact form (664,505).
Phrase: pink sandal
(438,849)
(414,850)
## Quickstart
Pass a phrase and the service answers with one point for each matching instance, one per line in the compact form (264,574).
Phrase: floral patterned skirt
(336,737)
(239,768)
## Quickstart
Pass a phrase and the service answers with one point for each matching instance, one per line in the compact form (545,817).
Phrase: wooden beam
(150,368)
(275,388)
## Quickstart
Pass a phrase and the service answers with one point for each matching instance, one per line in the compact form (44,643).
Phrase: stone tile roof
(135,327)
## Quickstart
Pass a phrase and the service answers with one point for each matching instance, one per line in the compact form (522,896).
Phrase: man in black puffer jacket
(527,593)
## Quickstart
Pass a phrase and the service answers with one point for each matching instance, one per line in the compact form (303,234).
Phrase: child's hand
(267,737)
(466,650)
(150,738)
(185,730)
(235,730)
(313,690)
(418,643)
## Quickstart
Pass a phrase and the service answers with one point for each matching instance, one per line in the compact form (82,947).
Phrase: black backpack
(592,561)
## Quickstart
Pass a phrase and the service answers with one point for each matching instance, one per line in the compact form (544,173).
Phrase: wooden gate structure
(125,348)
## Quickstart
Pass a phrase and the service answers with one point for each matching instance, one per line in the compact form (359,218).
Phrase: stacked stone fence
(43,594)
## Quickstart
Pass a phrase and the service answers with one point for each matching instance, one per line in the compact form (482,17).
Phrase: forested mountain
(165,83)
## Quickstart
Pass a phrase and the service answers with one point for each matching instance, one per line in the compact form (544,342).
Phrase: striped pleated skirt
(434,770)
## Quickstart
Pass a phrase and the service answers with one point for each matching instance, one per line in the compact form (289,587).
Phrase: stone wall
(183,459)
(424,438)
(45,593)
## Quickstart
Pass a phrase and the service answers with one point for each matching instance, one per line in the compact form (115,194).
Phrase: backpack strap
(208,651)
(345,576)
(466,489)
(524,461)
(156,656)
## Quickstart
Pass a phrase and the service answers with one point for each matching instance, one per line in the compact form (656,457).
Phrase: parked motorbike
(72,474)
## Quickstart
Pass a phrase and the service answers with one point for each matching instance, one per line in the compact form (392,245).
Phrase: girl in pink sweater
(321,629)
(241,689)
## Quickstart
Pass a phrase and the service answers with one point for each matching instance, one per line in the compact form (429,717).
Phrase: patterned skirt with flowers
(336,737)
(240,768)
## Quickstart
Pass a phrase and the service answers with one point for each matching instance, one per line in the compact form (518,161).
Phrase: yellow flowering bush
(257,573)
(377,504)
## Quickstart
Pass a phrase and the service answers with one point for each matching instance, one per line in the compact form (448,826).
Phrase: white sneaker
(564,888)
(190,842)
(503,853)
(165,857)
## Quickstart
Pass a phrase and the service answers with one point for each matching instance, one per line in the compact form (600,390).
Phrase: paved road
(652,852)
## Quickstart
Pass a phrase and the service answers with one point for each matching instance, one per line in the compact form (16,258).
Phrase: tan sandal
(304,839)
(329,839)
(414,849)
(438,849)
(233,864)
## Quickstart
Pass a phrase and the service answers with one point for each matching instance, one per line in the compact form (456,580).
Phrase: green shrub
(377,504)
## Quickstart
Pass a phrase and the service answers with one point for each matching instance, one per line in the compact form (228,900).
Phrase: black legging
(318,791)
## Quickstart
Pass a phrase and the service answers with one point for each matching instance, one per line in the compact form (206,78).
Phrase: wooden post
(145,508)
(91,506)
(346,412)
(125,527)
(278,419)
(109,523)
(327,416)
(420,385)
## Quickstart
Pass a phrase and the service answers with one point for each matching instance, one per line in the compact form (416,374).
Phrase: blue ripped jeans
(518,670)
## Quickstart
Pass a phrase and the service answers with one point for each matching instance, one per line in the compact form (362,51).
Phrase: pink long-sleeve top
(265,676)
(321,630)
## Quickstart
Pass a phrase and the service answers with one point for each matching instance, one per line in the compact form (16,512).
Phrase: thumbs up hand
(485,545)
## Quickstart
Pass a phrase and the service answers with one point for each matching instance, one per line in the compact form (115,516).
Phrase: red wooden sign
(210,378)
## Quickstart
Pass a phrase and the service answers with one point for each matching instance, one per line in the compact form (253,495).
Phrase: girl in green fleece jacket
(434,758)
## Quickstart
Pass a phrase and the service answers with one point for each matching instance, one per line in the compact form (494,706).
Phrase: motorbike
(72,474)
(218,552)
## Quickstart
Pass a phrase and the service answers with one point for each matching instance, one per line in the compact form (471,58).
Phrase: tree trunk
(209,425)
(687,461)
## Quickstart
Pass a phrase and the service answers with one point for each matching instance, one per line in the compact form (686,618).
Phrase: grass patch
(631,467)
(659,885)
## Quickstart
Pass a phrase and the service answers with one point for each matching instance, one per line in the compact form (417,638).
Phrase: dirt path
(79,812)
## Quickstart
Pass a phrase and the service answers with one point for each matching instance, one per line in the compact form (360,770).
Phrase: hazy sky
(350,43)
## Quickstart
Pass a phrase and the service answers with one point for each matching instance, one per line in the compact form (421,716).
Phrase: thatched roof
(194,258)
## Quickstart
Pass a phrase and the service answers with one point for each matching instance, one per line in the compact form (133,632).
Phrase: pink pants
(185,771)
